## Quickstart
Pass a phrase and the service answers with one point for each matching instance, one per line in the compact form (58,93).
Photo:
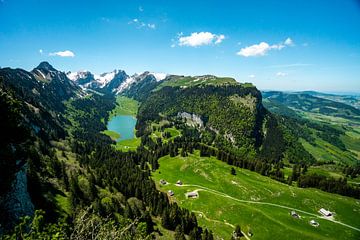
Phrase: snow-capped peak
(159,76)
(116,81)
(126,83)
(73,76)
(105,78)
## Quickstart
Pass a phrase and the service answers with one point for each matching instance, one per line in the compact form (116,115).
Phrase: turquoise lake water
(124,125)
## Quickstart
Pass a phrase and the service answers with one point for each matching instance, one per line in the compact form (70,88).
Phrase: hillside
(346,98)
(331,137)
(58,166)
(329,129)
(62,165)
(259,204)
(315,105)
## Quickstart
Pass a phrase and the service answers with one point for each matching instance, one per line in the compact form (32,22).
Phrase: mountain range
(114,82)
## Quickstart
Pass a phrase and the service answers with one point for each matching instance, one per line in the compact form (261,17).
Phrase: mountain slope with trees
(69,167)
(67,175)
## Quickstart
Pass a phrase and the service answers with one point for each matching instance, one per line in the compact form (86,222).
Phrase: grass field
(125,106)
(128,144)
(113,135)
(172,131)
(325,152)
(255,202)
(196,81)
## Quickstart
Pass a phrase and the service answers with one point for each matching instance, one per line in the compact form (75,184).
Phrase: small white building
(163,182)
(179,182)
(192,195)
(314,223)
(171,193)
(294,214)
(325,212)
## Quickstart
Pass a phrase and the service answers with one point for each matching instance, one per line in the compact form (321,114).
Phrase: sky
(277,45)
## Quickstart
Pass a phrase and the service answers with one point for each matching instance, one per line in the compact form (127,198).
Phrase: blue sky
(280,45)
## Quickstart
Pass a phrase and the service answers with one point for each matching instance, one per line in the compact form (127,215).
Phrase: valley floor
(258,204)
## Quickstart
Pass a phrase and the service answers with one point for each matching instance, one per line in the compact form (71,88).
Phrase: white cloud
(281,74)
(151,25)
(277,46)
(66,53)
(262,48)
(254,50)
(289,42)
(197,39)
(220,38)
(140,24)
(41,51)
(251,76)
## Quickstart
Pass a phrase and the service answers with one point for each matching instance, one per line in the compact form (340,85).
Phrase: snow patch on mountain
(41,73)
(116,81)
(73,76)
(105,78)
(159,76)
(126,84)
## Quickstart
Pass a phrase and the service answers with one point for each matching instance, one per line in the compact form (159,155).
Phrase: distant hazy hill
(310,102)
(350,99)
(326,123)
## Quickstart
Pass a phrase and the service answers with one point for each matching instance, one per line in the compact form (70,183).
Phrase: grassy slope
(173,134)
(220,206)
(178,81)
(327,152)
(112,134)
(128,144)
(125,106)
(324,151)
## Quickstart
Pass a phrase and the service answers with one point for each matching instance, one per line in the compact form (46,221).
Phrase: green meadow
(188,81)
(128,144)
(113,135)
(125,106)
(257,203)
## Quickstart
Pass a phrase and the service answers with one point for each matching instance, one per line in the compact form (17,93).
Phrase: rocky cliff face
(192,120)
(17,202)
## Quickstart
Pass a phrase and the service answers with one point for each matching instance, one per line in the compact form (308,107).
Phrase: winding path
(263,203)
(226,223)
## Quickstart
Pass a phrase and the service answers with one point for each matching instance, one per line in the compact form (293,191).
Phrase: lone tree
(237,232)
(233,171)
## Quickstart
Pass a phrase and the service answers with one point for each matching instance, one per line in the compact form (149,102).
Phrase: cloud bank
(197,39)
(66,53)
(281,74)
(263,48)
